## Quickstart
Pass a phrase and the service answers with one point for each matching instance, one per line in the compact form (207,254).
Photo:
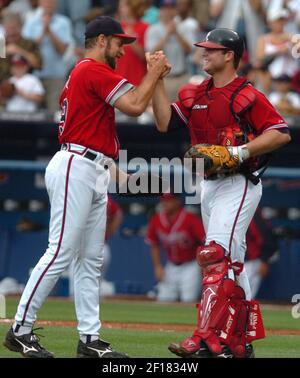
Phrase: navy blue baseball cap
(108,26)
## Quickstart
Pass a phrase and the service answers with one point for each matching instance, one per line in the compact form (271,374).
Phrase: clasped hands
(158,62)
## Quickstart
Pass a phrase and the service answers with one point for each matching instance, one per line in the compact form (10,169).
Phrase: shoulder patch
(244,99)
(187,94)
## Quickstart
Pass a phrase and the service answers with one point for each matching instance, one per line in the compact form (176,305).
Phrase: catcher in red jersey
(87,133)
(232,127)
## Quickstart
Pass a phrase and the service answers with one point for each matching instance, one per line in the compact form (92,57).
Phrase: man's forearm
(267,142)
(60,47)
(161,44)
(31,57)
(155,254)
(135,102)
(161,107)
(117,174)
(184,43)
(144,92)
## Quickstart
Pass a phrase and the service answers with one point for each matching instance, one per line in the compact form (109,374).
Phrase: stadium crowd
(45,38)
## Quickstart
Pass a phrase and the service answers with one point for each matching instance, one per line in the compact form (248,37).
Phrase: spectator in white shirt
(293,7)
(53,33)
(176,38)
(276,46)
(29,91)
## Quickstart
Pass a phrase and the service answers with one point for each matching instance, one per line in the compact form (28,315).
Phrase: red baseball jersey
(113,210)
(254,240)
(260,239)
(87,101)
(180,238)
(209,116)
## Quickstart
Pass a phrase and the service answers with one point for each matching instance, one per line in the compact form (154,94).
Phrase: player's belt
(83,151)
(217,176)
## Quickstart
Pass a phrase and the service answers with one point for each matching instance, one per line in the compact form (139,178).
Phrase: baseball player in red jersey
(261,247)
(114,219)
(230,114)
(179,233)
(87,133)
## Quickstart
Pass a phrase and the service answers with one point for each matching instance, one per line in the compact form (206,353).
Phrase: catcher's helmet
(223,39)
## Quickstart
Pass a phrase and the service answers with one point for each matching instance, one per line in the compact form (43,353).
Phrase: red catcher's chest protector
(215,114)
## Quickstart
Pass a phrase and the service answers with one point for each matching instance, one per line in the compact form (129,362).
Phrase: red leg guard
(244,324)
(211,312)
(224,316)
(233,332)
(216,293)
(255,325)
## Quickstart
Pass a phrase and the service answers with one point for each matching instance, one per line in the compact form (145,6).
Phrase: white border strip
(116,88)
(179,112)
(279,126)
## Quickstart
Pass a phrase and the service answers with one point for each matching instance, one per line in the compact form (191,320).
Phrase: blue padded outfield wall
(131,267)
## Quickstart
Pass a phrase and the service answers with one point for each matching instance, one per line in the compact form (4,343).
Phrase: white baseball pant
(227,206)
(77,229)
(181,282)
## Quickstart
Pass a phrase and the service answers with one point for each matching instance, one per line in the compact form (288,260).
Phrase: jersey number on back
(63,116)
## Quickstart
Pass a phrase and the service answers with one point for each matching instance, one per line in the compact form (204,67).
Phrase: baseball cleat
(181,351)
(28,345)
(97,349)
(249,351)
(226,352)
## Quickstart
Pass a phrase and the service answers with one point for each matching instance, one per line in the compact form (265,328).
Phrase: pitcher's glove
(218,159)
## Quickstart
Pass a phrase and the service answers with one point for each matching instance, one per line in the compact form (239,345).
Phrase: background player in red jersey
(76,180)
(179,233)
(113,222)
(240,124)
(261,247)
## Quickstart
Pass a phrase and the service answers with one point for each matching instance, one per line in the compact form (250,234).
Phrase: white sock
(88,338)
(21,329)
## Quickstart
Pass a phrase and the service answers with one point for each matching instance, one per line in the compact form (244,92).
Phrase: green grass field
(150,343)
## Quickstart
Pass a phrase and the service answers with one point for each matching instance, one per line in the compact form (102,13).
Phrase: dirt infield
(146,326)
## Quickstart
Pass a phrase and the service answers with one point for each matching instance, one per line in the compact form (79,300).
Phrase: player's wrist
(242,152)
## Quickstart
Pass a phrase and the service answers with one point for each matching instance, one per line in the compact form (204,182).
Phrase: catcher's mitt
(217,159)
